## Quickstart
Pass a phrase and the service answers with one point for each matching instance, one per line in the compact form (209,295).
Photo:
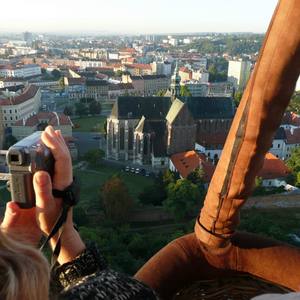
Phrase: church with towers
(146,131)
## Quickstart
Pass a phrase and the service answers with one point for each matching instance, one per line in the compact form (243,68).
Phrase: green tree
(182,198)
(56,74)
(94,156)
(68,110)
(116,200)
(81,109)
(294,164)
(184,91)
(95,108)
(168,177)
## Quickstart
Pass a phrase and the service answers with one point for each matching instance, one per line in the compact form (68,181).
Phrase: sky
(136,16)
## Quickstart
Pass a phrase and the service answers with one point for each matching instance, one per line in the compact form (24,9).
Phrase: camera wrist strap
(70,197)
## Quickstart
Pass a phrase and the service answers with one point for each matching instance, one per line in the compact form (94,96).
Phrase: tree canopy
(182,198)
(116,200)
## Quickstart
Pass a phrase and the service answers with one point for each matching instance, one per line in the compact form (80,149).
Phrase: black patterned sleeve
(87,277)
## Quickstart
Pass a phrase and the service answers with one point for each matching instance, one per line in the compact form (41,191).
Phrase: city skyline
(137,17)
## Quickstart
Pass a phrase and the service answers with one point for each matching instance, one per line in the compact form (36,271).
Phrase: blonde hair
(24,271)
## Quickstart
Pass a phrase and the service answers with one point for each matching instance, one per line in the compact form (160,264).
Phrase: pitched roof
(96,82)
(273,168)
(27,94)
(280,134)
(52,118)
(210,107)
(292,136)
(176,107)
(128,107)
(208,140)
(76,81)
(291,118)
(187,162)
(139,66)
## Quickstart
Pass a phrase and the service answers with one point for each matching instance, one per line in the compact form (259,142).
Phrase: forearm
(71,245)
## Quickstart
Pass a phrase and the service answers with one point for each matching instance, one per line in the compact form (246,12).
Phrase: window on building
(162,163)
(10,111)
(130,138)
(278,145)
(122,137)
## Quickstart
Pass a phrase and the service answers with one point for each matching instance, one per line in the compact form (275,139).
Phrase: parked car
(132,170)
(137,171)
(143,172)
(127,168)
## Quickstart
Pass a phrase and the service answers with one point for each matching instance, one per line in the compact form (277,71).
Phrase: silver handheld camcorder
(24,159)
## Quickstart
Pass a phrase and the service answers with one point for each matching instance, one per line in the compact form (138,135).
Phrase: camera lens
(14,158)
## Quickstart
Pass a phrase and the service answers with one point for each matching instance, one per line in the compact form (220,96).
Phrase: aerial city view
(170,116)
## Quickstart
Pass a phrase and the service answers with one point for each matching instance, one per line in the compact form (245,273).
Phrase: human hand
(21,223)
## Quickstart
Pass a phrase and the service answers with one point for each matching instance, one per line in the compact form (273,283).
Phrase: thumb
(11,214)
(43,189)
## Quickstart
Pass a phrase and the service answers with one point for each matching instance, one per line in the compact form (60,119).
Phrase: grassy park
(89,124)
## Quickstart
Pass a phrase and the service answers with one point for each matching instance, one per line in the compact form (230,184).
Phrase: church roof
(210,107)
(129,107)
(176,107)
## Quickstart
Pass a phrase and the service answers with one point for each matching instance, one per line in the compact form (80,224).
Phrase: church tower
(175,83)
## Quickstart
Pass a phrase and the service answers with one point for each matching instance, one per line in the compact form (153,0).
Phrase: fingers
(55,141)
(43,190)
(11,215)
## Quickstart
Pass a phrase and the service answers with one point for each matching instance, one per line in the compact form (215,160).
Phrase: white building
(161,68)
(19,105)
(201,75)
(59,121)
(23,71)
(239,73)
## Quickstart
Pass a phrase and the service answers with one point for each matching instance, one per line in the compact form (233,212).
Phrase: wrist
(71,245)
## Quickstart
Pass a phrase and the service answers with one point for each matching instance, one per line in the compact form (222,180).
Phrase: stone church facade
(147,130)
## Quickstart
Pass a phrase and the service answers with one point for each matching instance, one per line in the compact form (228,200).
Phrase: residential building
(147,85)
(185,74)
(200,75)
(239,73)
(273,172)
(20,71)
(161,68)
(138,69)
(120,89)
(75,87)
(40,121)
(184,163)
(97,89)
(19,105)
(219,89)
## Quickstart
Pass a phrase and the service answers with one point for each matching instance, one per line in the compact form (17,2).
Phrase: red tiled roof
(187,162)
(139,66)
(49,117)
(206,139)
(185,70)
(273,168)
(127,50)
(28,93)
(76,81)
(291,118)
(292,136)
